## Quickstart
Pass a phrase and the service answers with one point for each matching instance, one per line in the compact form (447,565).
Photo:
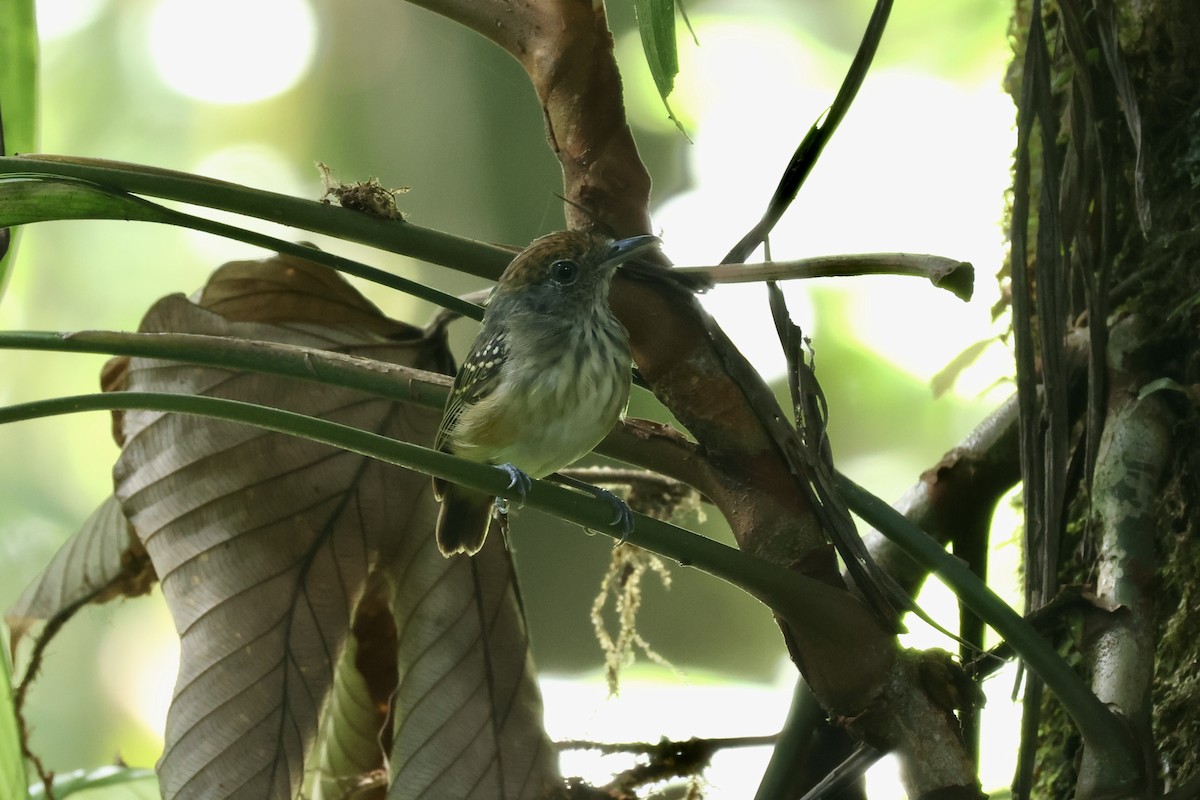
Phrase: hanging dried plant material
(369,196)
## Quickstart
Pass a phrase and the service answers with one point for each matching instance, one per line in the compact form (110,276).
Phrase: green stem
(435,247)
(392,381)
(1099,727)
(40,198)
(789,594)
(405,384)
(790,756)
(346,265)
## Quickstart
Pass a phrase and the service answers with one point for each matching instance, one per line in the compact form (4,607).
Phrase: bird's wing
(478,377)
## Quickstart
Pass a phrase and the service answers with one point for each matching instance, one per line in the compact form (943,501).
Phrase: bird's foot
(516,480)
(622,515)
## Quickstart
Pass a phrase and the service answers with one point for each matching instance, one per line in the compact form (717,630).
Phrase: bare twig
(665,759)
(957,277)
(53,626)
(609,748)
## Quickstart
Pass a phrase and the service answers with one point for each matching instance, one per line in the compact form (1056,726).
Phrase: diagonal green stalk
(341,264)
(789,594)
(39,199)
(392,381)
(1099,726)
(435,247)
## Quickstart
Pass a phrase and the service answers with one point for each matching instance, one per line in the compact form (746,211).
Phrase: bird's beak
(624,249)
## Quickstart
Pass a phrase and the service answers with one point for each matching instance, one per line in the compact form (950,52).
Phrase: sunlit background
(257,92)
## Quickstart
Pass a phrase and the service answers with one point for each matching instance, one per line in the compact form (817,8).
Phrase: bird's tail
(463,520)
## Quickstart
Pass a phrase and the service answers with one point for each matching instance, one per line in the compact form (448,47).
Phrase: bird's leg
(622,515)
(516,480)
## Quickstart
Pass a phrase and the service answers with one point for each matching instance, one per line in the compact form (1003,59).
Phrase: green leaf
(104,783)
(656,24)
(944,380)
(1160,385)
(347,748)
(34,197)
(12,765)
(18,95)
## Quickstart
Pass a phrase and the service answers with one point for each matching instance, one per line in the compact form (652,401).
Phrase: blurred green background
(257,92)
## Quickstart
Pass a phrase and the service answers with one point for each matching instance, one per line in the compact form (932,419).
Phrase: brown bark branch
(746,457)
(566,49)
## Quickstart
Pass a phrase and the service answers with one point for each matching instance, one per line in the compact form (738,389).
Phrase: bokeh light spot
(57,19)
(742,66)
(260,166)
(225,51)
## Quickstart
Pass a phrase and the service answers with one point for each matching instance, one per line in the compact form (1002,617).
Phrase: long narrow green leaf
(813,143)
(18,97)
(12,763)
(435,247)
(656,24)
(18,75)
(24,200)
(27,199)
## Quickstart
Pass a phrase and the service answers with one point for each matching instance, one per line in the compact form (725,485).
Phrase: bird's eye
(564,272)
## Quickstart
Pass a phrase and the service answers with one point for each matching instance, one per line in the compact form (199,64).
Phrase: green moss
(1177,676)
(1156,277)
(1057,755)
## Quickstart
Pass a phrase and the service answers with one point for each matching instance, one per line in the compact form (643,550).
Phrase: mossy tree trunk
(1106,260)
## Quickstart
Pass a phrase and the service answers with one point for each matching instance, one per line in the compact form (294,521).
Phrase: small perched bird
(546,378)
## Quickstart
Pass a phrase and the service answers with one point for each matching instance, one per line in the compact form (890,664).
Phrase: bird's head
(563,273)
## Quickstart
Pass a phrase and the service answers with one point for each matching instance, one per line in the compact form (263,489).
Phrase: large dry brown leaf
(468,711)
(264,542)
(102,560)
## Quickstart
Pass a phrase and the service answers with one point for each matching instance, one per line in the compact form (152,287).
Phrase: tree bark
(856,669)
(1117,190)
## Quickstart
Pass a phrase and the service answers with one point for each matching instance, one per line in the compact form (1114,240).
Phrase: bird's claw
(516,480)
(622,515)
